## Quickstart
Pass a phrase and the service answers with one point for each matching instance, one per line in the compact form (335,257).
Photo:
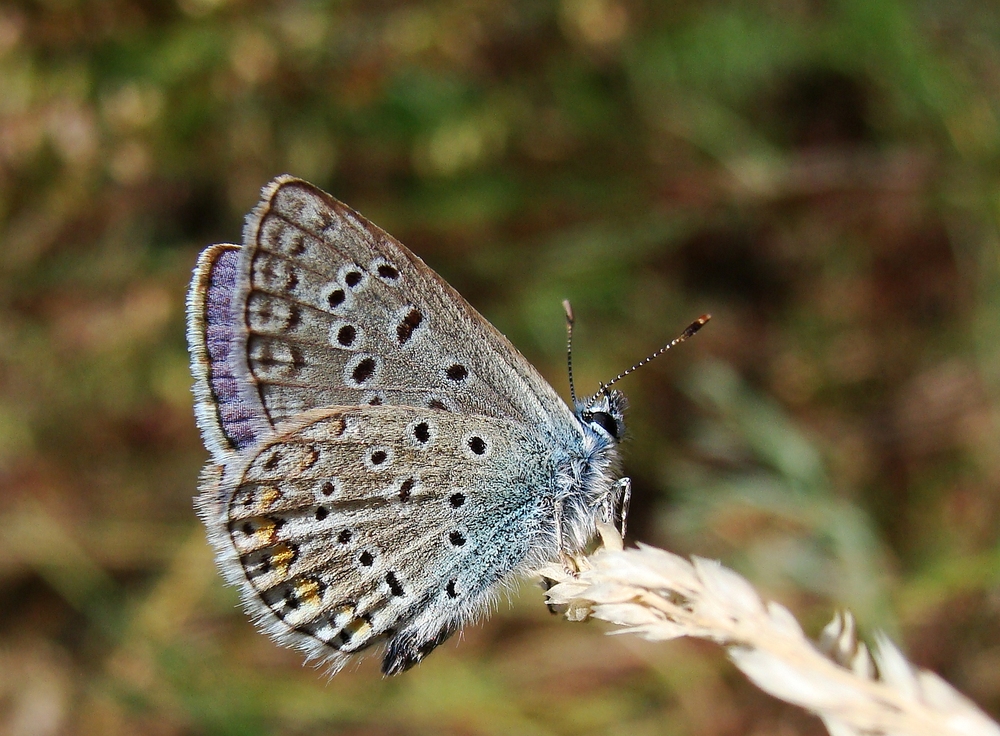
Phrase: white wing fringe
(856,692)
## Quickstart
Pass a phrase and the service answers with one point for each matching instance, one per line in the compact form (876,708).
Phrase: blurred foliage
(821,176)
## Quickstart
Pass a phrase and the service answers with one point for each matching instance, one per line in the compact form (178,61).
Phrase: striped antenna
(690,331)
(569,347)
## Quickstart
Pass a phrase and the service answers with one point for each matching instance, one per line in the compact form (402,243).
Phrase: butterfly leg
(564,556)
(625,488)
(618,500)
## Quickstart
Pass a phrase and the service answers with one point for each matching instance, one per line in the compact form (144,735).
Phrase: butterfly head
(604,413)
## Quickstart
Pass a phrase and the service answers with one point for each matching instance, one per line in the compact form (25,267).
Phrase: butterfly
(383,460)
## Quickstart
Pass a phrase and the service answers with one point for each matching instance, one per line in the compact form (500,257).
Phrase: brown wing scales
(354,518)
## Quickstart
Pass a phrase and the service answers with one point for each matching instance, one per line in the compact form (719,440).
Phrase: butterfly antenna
(569,347)
(688,332)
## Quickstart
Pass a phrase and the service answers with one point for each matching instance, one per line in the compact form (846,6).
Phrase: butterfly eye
(603,420)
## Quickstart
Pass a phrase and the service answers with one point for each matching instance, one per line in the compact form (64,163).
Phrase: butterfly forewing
(355,525)
(339,313)
(230,418)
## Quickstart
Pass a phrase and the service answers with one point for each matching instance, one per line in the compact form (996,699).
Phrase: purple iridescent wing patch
(229,417)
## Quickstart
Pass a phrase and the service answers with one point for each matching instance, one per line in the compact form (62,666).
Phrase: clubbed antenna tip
(569,347)
(694,327)
(688,332)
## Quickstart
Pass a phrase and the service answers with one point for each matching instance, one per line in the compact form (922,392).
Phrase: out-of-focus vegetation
(821,176)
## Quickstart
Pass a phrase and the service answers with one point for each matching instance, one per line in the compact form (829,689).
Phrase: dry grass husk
(659,596)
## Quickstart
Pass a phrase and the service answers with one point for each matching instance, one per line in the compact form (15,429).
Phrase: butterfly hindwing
(358,525)
(339,313)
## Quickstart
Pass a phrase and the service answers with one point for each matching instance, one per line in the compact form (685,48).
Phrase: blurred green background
(821,176)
